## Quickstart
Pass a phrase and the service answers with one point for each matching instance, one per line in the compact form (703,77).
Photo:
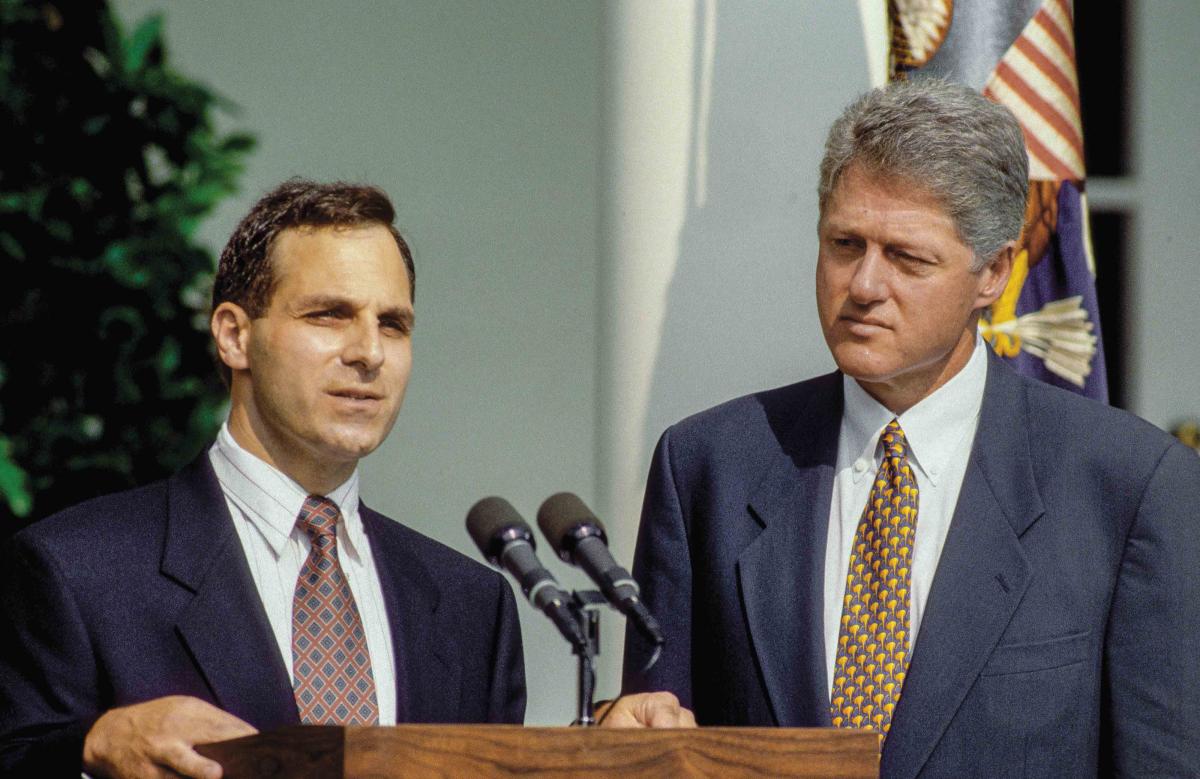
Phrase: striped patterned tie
(873,640)
(330,662)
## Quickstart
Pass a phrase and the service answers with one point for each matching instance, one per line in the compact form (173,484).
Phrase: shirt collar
(271,500)
(933,427)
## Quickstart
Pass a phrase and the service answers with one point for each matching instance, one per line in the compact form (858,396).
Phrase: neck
(901,393)
(315,476)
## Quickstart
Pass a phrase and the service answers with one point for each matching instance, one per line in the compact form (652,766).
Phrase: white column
(647,111)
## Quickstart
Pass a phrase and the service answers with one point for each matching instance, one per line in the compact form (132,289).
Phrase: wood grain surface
(510,750)
(303,751)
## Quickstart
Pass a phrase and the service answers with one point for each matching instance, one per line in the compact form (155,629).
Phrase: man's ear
(993,278)
(230,327)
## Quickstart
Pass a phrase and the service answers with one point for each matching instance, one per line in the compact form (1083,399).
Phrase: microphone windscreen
(488,518)
(560,514)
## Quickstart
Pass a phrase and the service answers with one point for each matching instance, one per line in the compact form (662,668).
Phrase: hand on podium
(645,710)
(155,738)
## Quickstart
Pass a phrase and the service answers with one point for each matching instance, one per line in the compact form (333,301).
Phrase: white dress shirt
(264,504)
(940,431)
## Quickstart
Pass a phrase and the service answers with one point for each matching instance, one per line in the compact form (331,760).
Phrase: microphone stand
(585,607)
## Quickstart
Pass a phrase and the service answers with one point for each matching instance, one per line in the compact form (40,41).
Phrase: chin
(859,362)
(344,448)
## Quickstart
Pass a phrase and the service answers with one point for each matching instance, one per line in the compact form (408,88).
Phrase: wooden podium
(511,750)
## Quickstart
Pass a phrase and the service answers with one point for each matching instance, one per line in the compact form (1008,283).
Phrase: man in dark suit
(1016,591)
(252,590)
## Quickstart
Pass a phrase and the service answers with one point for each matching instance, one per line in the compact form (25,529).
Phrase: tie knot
(895,445)
(319,516)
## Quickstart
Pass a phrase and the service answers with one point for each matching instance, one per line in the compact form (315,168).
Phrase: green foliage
(111,160)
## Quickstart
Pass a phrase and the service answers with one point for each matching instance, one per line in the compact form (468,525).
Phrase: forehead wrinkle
(914,212)
(344,266)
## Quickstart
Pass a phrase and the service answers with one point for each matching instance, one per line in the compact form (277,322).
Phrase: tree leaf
(123,390)
(139,45)
(14,482)
(238,143)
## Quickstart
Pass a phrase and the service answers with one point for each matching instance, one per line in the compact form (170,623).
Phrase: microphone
(507,542)
(579,538)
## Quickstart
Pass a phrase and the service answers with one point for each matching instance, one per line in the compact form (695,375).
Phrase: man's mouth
(356,394)
(856,323)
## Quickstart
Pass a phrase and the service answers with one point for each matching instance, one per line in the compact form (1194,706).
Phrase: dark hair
(965,149)
(244,273)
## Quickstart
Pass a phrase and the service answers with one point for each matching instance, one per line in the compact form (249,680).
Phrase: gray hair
(948,139)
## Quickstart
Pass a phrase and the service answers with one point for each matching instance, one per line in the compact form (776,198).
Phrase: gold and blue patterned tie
(873,639)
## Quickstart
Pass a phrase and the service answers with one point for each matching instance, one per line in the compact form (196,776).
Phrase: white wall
(1164,302)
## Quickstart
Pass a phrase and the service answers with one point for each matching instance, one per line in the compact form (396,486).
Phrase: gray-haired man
(996,575)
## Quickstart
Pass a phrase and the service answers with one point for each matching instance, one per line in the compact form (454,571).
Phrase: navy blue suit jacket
(148,593)
(1060,634)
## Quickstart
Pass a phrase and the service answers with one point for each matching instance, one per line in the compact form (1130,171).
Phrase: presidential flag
(1021,53)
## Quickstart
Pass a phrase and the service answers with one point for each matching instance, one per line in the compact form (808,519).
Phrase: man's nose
(364,346)
(869,282)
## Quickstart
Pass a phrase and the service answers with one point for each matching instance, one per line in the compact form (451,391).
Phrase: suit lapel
(427,684)
(224,627)
(782,570)
(981,576)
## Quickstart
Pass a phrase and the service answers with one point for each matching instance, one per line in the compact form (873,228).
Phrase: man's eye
(323,314)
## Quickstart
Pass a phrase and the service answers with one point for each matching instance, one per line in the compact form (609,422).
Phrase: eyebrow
(402,314)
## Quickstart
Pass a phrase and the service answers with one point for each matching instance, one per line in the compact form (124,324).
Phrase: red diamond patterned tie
(331,666)
(873,640)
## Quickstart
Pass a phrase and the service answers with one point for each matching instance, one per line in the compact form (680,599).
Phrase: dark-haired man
(997,576)
(253,590)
